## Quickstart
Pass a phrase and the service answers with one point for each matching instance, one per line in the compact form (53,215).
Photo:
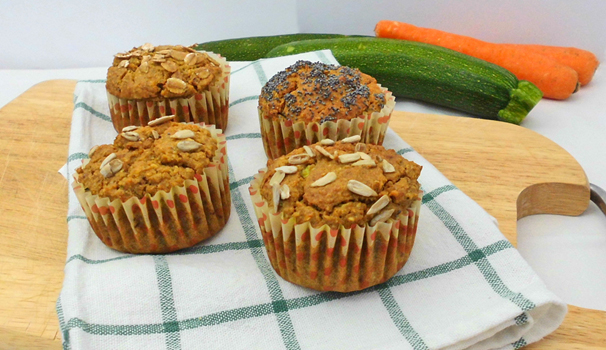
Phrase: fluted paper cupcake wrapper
(344,259)
(281,137)
(209,107)
(166,221)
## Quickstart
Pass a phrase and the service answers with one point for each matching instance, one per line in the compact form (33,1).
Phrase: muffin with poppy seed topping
(311,101)
(157,188)
(338,216)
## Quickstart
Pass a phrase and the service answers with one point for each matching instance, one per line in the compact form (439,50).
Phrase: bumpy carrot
(583,62)
(555,80)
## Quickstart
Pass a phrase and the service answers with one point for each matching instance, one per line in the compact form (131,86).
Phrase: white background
(76,40)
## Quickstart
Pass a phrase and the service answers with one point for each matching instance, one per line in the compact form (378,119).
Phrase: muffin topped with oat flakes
(148,82)
(152,72)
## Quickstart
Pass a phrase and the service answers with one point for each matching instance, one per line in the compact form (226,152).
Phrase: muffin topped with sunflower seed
(157,188)
(341,183)
(338,216)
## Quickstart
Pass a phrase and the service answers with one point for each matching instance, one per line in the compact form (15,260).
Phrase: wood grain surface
(509,170)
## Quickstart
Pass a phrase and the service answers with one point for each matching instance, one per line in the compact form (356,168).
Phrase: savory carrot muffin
(338,216)
(149,82)
(157,188)
(309,102)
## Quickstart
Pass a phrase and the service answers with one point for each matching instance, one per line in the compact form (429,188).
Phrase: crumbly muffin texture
(318,92)
(157,72)
(341,184)
(145,160)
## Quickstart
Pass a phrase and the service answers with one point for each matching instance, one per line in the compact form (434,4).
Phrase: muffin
(338,216)
(309,102)
(149,82)
(157,188)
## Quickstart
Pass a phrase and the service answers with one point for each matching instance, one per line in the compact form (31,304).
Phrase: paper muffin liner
(166,221)
(282,137)
(210,107)
(344,259)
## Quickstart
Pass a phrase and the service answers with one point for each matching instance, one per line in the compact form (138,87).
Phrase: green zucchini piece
(253,48)
(431,74)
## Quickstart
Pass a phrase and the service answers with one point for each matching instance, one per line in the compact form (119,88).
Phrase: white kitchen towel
(464,285)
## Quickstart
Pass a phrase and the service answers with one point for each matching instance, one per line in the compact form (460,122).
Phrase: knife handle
(598,196)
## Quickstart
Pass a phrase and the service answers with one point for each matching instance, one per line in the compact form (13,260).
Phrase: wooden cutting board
(509,170)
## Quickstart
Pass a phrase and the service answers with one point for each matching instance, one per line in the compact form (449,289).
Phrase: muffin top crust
(156,72)
(341,183)
(145,160)
(319,92)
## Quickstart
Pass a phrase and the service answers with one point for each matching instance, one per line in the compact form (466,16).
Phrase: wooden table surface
(510,171)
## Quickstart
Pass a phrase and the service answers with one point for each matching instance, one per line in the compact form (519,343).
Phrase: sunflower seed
(155,134)
(176,85)
(188,145)
(387,167)
(130,128)
(277,178)
(287,169)
(327,142)
(298,158)
(107,160)
(309,151)
(383,216)
(123,64)
(160,120)
(170,66)
(365,162)
(284,191)
(358,187)
(147,47)
(361,147)
(178,55)
(379,205)
(190,59)
(352,139)
(92,150)
(324,152)
(349,157)
(325,180)
(106,171)
(364,155)
(130,136)
(183,134)
(276,196)
(115,165)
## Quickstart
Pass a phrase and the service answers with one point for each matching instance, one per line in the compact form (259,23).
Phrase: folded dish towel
(464,286)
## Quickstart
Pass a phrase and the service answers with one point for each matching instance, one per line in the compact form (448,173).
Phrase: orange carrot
(582,61)
(555,80)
